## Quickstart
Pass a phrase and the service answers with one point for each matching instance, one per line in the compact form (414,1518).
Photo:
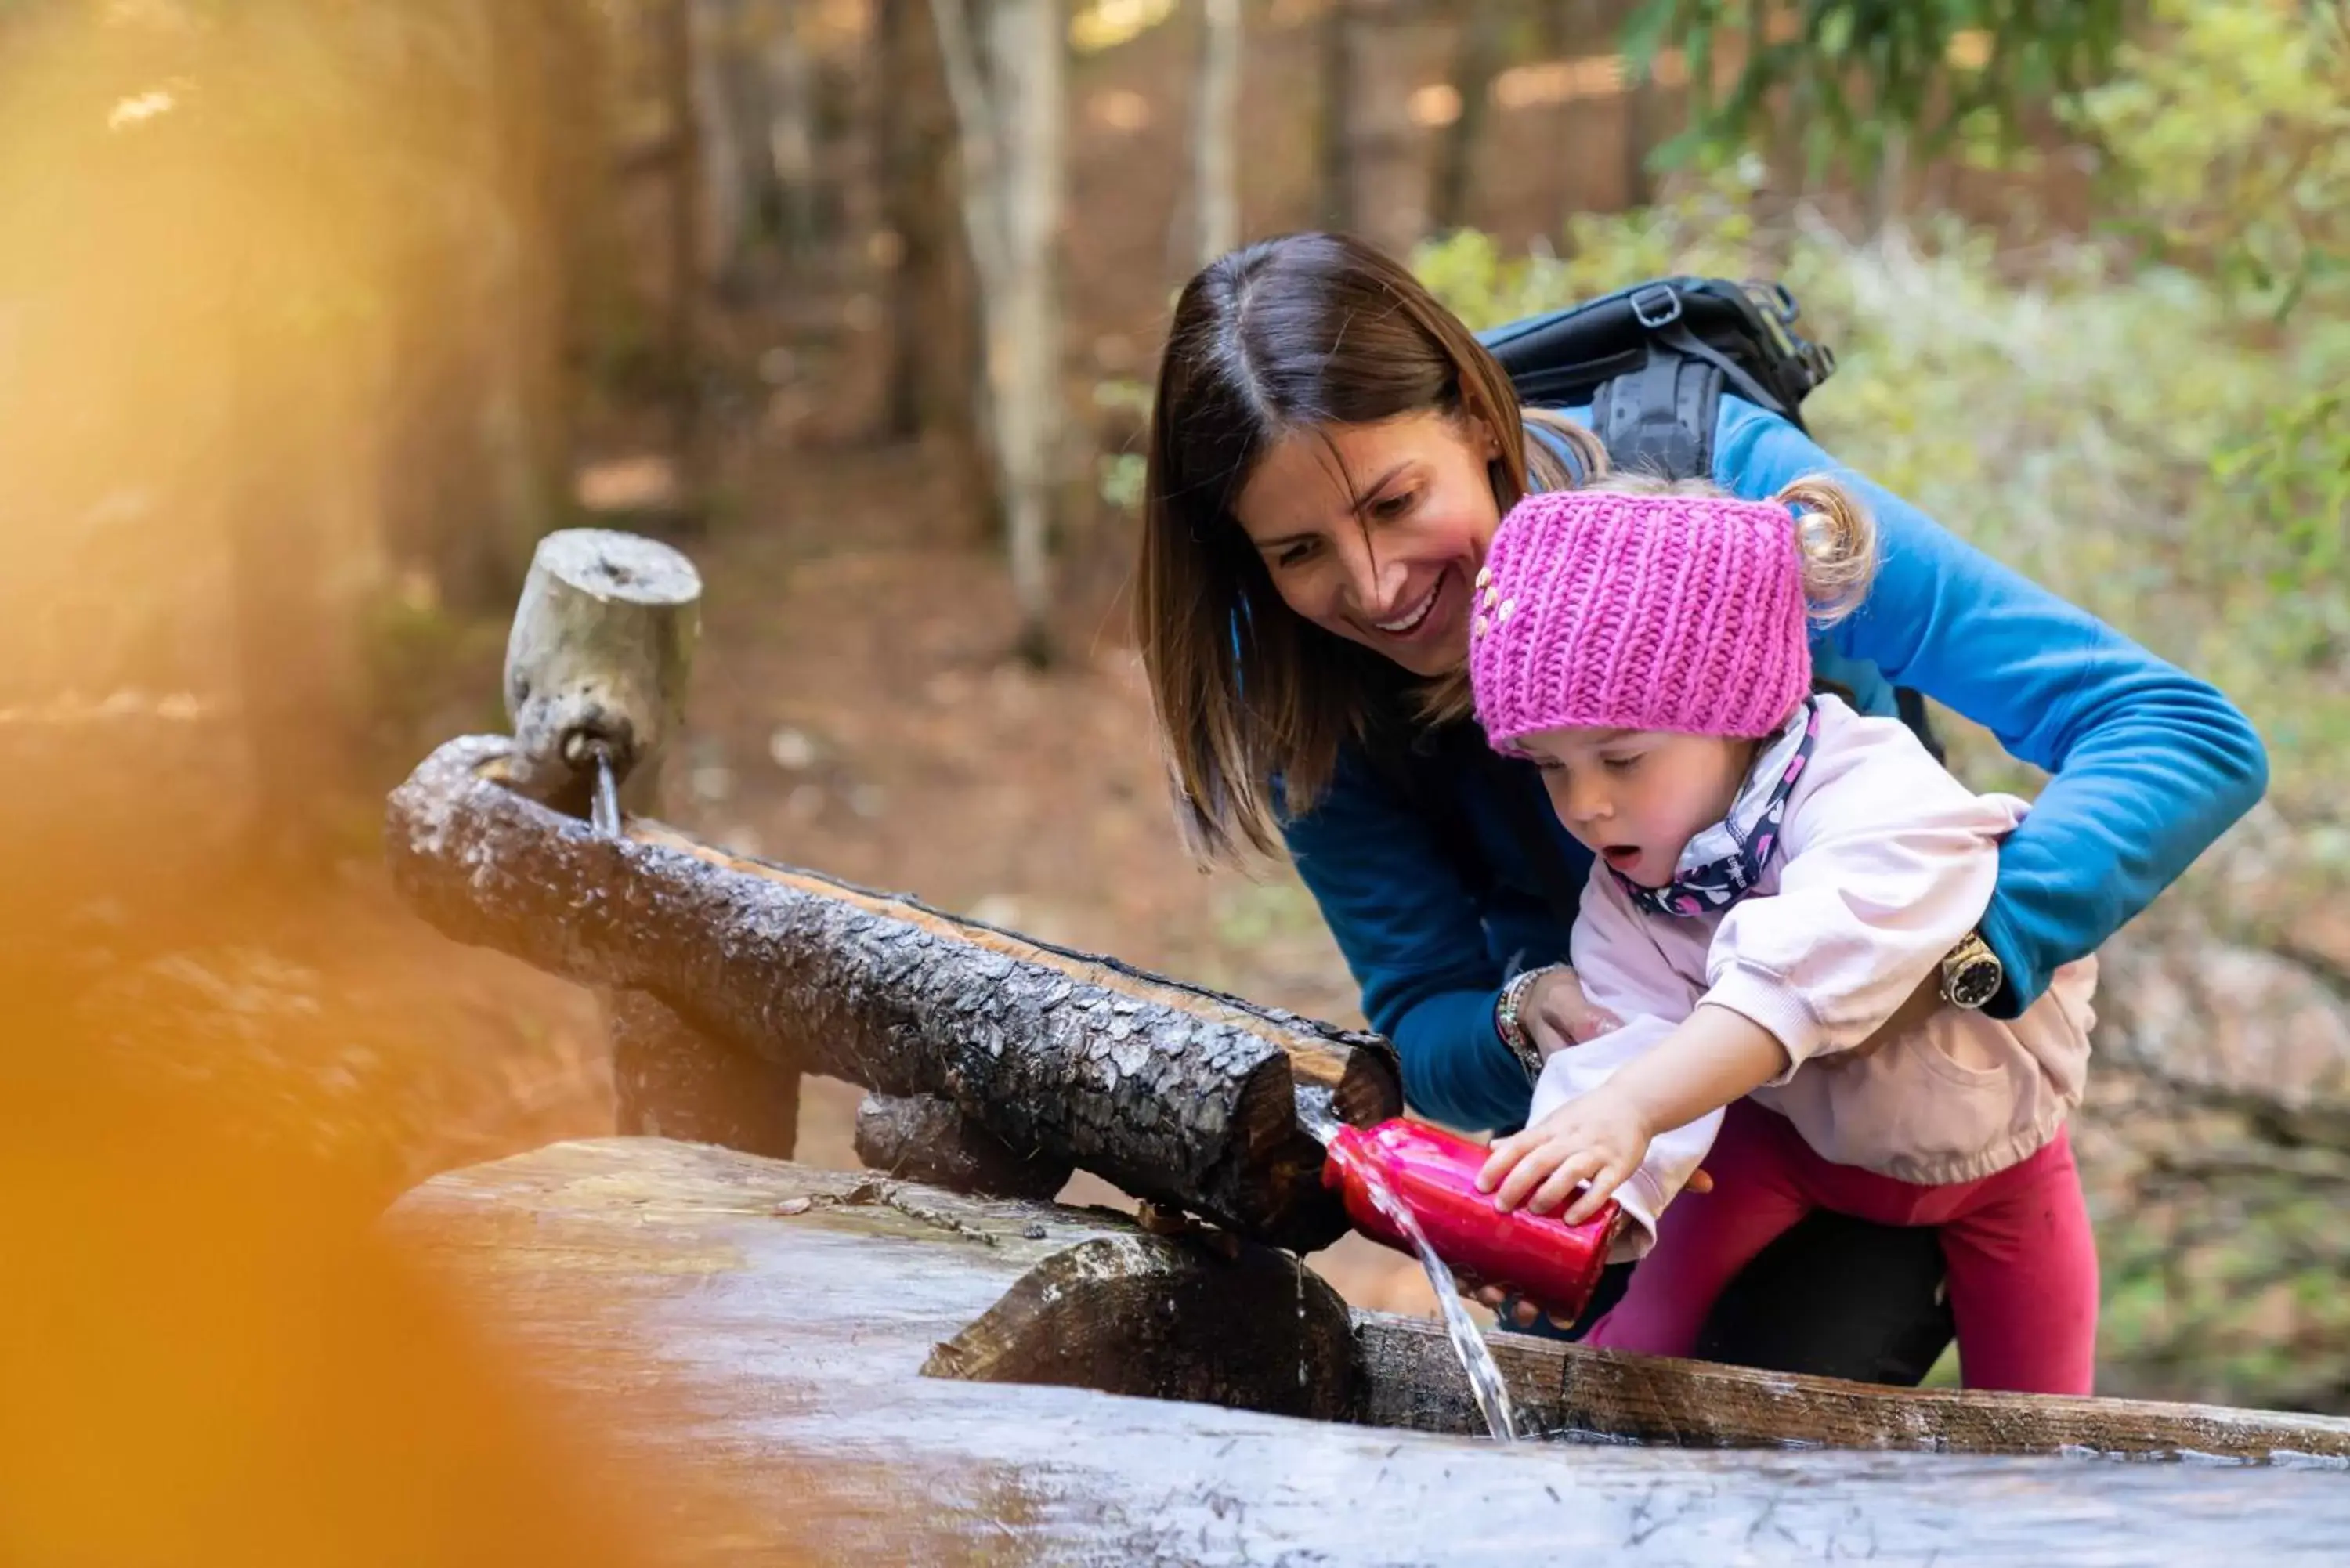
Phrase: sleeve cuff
(1772,1003)
(1641,1199)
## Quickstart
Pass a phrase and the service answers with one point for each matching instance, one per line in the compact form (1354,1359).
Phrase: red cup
(1434,1174)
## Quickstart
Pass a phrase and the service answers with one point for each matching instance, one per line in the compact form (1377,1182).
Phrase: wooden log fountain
(773,1325)
(1173,1093)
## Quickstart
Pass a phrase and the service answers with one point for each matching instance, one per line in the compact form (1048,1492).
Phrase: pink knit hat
(1639,612)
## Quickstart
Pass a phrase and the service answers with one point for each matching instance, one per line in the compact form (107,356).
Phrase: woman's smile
(1418,619)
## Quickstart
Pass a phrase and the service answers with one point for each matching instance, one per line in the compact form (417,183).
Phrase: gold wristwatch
(1971,974)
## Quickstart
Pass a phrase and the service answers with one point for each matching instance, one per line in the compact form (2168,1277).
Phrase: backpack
(1652,361)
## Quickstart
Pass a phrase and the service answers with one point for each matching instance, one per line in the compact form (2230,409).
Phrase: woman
(1331,450)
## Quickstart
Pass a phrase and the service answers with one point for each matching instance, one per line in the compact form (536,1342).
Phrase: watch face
(1976,982)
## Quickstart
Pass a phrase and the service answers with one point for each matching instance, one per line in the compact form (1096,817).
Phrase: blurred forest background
(314,313)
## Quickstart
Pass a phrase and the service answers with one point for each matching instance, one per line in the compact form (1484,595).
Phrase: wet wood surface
(765,1325)
(1172,1093)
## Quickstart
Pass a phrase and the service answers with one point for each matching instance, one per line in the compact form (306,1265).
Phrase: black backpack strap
(1659,419)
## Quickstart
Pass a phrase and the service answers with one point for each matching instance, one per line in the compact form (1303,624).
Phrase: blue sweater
(2149,767)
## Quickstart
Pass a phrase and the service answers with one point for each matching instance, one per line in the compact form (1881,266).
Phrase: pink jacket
(1886,862)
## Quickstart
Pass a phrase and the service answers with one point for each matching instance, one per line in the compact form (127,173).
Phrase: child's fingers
(1506,1152)
(1596,1192)
(1527,1174)
(1576,1169)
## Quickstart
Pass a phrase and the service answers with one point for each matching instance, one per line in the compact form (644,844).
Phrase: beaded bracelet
(1506,1023)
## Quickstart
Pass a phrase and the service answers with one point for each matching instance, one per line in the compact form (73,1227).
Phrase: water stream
(1485,1385)
(607,807)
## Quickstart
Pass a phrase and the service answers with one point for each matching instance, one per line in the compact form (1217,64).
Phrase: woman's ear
(1489,443)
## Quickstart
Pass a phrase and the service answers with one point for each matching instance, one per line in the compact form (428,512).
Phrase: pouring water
(607,807)
(1485,1385)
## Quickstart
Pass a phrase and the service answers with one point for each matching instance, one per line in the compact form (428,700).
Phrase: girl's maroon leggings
(2022,1264)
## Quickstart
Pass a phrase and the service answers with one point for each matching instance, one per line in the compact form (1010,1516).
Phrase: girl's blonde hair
(1834,535)
(1834,532)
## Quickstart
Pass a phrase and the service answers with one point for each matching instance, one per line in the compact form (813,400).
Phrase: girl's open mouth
(1621,855)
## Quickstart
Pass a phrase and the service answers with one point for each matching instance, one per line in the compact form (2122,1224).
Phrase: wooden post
(598,661)
(924,1137)
(599,656)
(670,1080)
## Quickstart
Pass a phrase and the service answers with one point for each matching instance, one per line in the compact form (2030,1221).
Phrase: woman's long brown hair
(1304,332)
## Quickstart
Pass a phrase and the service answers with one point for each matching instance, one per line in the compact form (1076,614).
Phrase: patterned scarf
(1722,863)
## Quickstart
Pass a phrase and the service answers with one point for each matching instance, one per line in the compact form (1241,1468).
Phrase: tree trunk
(723,162)
(1334,144)
(1386,205)
(1005,76)
(1476,60)
(770,1321)
(1643,109)
(1173,1094)
(934,364)
(674,21)
(1215,129)
(670,1080)
(923,1137)
(789,81)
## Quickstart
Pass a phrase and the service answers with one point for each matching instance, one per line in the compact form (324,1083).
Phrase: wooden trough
(815,1342)
(870,1370)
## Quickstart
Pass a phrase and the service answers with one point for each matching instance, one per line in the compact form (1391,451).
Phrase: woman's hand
(1557,1015)
(1596,1142)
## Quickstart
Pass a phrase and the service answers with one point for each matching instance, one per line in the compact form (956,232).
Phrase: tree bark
(1215,130)
(670,1080)
(1172,1093)
(599,655)
(759,1320)
(923,1137)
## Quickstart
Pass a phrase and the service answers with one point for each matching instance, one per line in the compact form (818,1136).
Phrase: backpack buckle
(1664,311)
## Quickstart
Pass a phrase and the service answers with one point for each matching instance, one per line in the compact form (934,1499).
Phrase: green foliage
(2230,134)
(2130,439)
(1119,474)
(1855,73)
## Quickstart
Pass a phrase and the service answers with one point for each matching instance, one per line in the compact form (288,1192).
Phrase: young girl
(1780,875)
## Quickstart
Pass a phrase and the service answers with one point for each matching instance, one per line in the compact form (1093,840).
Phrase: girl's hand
(1522,1313)
(1596,1142)
(1557,1015)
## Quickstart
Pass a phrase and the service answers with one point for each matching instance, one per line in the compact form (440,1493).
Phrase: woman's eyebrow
(1363,496)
